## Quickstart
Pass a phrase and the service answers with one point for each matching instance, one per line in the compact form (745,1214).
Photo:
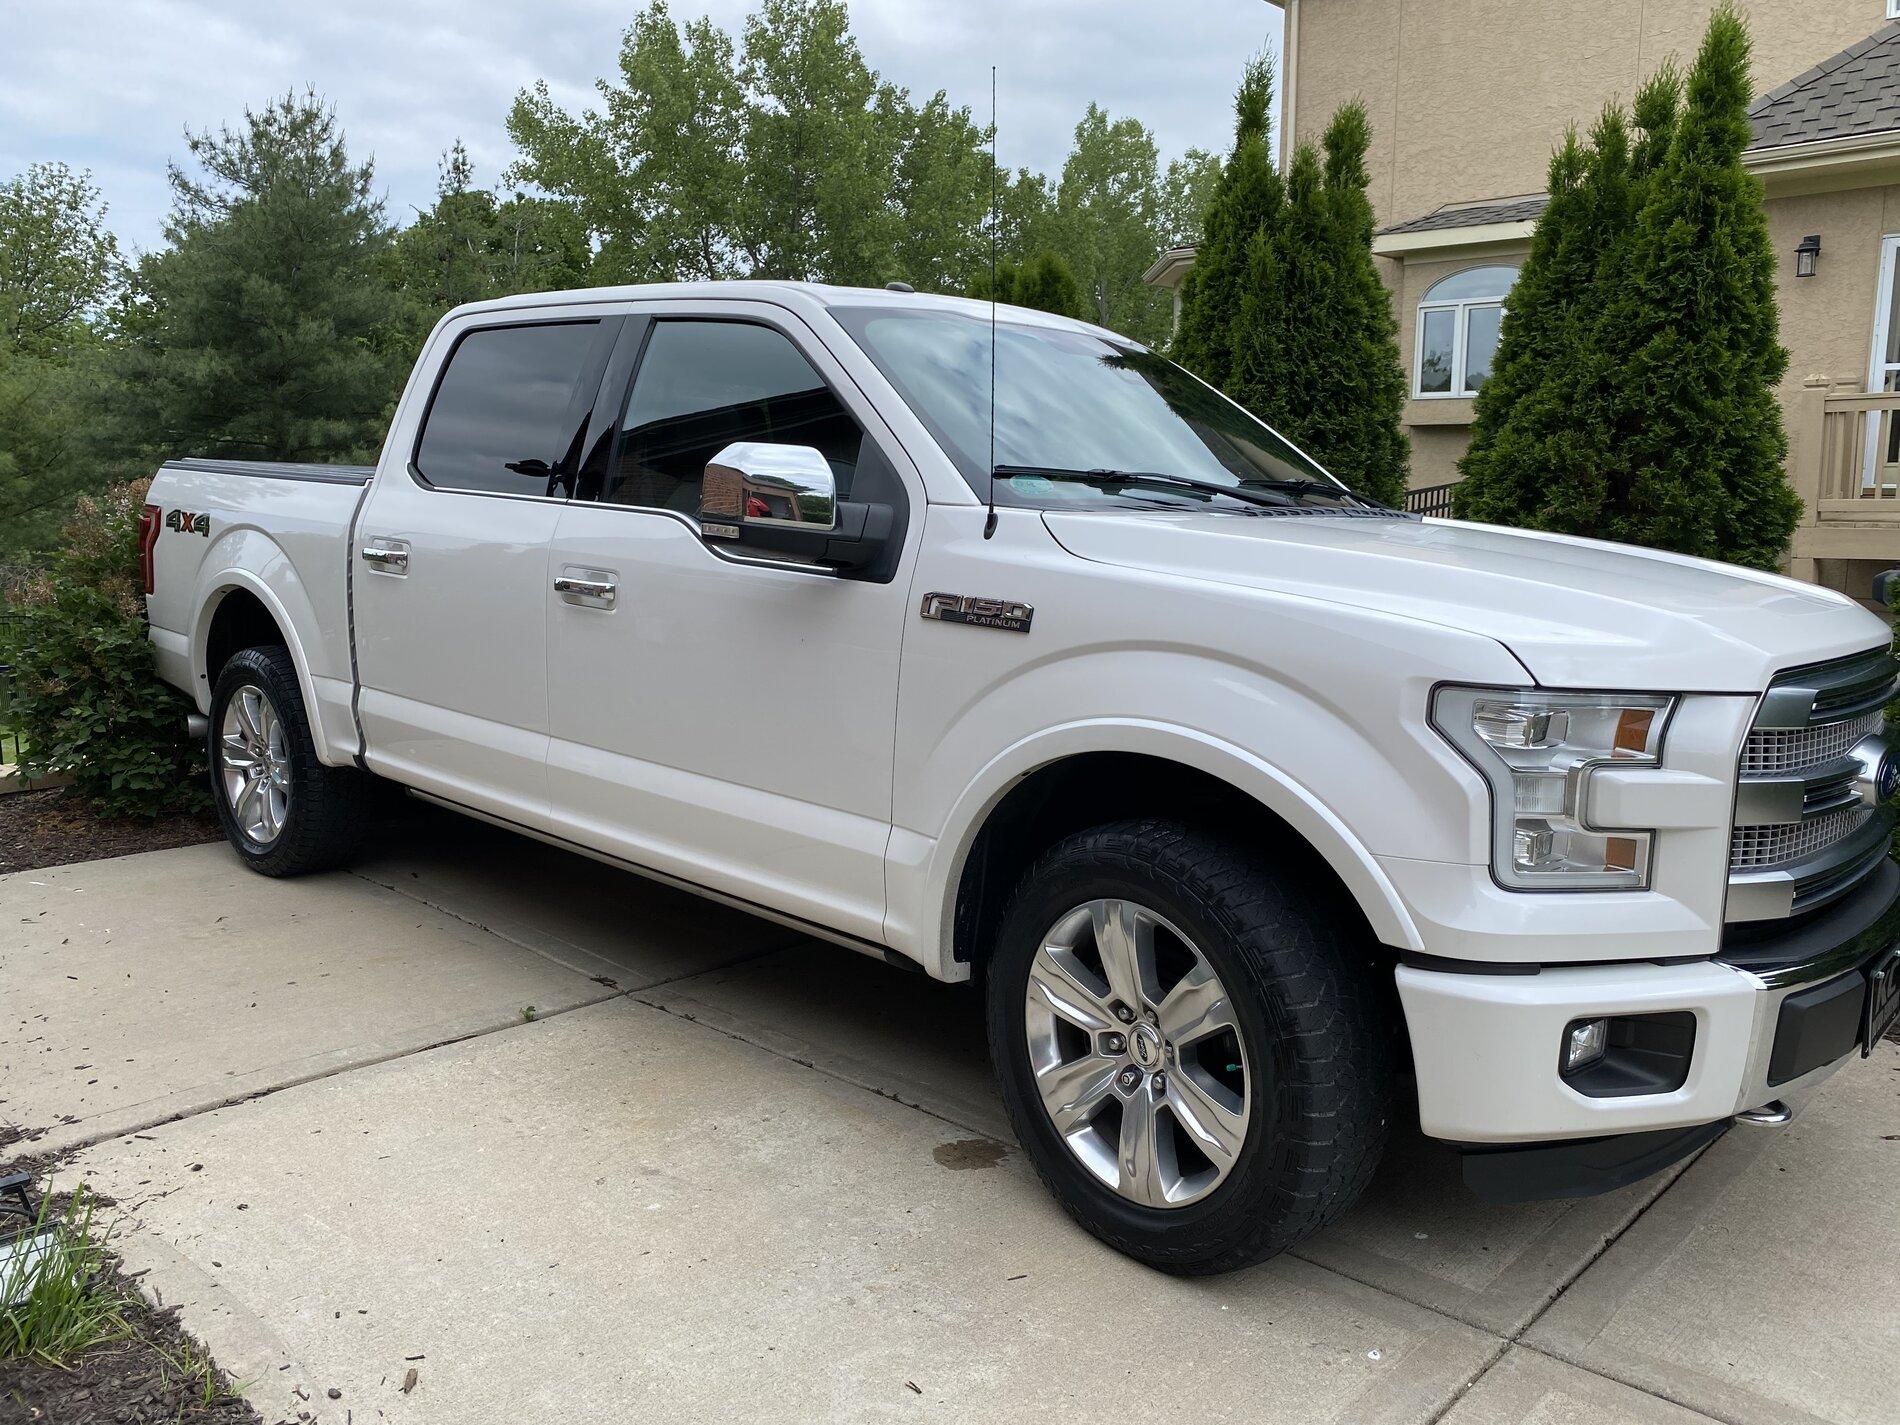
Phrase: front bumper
(1772,1018)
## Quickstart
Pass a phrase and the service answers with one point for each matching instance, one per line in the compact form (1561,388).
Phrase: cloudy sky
(111,85)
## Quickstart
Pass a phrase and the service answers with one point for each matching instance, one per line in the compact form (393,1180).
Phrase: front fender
(934,868)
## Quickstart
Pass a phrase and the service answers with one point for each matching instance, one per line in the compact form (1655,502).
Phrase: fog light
(1584,1043)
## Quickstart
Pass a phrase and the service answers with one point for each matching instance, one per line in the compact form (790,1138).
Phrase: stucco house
(1468,98)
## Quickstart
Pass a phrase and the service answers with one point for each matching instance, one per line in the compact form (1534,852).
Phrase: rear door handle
(594,590)
(391,556)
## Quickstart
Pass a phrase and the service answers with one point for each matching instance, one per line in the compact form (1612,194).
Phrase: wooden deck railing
(1844,459)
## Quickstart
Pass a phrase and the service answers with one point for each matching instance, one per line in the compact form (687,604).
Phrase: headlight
(1537,750)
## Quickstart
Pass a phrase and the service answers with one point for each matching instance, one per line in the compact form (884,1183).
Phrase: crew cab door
(449,564)
(721,719)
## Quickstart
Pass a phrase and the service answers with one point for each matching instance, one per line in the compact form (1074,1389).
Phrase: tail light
(148,541)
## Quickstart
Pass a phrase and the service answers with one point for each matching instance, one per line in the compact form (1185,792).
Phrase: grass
(63,1301)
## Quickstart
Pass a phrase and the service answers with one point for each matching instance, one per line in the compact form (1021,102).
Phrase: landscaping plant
(1284,309)
(1633,396)
(87,700)
(59,1301)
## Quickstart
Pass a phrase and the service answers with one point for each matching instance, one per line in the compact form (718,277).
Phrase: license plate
(1883,1000)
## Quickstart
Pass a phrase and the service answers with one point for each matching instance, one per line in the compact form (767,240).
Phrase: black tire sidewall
(1239,1221)
(270,670)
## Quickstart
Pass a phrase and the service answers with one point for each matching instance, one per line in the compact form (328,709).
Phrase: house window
(1893,9)
(1458,321)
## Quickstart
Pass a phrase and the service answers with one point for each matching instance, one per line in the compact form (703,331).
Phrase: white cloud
(112,85)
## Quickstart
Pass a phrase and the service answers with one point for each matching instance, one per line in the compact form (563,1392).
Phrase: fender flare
(214,588)
(1305,813)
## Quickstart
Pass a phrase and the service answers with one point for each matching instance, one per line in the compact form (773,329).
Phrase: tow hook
(1769,1115)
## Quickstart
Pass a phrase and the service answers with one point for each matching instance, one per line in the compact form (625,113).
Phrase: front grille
(1751,848)
(1777,751)
(1803,847)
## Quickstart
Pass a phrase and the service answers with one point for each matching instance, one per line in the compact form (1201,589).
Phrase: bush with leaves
(87,700)
(1044,282)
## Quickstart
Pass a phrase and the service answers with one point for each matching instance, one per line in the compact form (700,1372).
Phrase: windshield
(1080,418)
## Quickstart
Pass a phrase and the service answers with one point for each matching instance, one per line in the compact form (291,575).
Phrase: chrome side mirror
(756,484)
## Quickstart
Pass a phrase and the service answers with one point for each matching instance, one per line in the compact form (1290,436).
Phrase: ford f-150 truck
(994,644)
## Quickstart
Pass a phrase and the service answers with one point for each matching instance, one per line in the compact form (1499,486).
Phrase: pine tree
(256,332)
(1247,198)
(1689,345)
(1315,345)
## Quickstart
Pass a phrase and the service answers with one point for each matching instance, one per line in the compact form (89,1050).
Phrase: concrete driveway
(572,1147)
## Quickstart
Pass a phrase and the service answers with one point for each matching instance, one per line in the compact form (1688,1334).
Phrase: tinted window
(502,419)
(703,385)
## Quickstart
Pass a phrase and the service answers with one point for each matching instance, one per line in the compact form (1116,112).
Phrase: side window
(704,384)
(502,420)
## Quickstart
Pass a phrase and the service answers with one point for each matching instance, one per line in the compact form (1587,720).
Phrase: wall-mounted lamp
(1807,255)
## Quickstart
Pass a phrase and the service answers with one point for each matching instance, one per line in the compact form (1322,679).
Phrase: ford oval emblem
(1887,778)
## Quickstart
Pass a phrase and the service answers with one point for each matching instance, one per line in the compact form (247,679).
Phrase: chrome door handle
(570,587)
(391,558)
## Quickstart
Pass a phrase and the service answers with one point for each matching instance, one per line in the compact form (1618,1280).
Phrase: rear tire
(1263,1035)
(282,810)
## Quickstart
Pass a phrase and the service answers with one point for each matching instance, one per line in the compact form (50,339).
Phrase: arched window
(1458,320)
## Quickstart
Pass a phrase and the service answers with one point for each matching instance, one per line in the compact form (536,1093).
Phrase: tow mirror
(783,499)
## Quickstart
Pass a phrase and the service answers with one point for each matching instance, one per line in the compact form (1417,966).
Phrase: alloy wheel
(1137,1054)
(254,764)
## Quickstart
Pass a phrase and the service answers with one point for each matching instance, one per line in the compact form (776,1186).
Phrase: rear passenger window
(503,419)
(701,386)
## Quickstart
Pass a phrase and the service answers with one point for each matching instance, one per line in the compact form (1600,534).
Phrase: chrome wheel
(1137,1053)
(254,764)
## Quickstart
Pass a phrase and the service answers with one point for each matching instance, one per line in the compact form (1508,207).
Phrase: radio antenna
(989,518)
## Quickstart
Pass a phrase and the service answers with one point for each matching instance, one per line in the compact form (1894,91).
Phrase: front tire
(1194,1045)
(282,810)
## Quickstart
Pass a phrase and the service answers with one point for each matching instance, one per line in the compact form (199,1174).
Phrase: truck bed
(278,470)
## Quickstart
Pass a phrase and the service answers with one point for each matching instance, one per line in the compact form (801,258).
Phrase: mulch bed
(135,1381)
(52,828)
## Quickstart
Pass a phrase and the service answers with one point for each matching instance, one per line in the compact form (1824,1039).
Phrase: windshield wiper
(1305,486)
(1152,478)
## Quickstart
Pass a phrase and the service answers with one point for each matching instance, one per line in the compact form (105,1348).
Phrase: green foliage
(1042,281)
(1106,220)
(1284,310)
(1187,192)
(1247,199)
(258,334)
(470,247)
(87,699)
(65,1300)
(1633,398)
(57,261)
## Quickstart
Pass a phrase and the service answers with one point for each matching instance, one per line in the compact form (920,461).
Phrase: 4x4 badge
(984,613)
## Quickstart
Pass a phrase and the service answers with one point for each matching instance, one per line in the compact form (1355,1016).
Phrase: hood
(1577,613)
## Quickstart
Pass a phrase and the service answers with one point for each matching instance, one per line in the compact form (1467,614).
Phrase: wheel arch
(1046,787)
(238,610)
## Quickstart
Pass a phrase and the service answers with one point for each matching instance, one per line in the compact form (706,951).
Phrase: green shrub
(86,697)
(58,1302)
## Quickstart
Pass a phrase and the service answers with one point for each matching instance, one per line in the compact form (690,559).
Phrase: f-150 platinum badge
(984,613)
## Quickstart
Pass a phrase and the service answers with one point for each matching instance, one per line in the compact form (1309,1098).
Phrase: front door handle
(578,590)
(391,556)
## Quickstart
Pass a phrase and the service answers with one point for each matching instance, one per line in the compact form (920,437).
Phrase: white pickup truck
(1262,813)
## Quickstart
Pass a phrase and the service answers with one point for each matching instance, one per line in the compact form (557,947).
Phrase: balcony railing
(1844,458)
(1430,500)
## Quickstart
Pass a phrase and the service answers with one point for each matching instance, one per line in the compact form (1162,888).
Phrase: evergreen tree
(1315,345)
(1246,199)
(1539,454)
(256,333)
(1688,344)
(1042,281)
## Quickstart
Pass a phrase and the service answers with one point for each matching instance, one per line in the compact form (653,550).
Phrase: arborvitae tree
(1539,455)
(1688,345)
(255,333)
(1043,281)
(1315,345)
(1247,199)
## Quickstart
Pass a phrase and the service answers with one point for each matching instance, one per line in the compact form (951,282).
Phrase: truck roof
(796,295)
